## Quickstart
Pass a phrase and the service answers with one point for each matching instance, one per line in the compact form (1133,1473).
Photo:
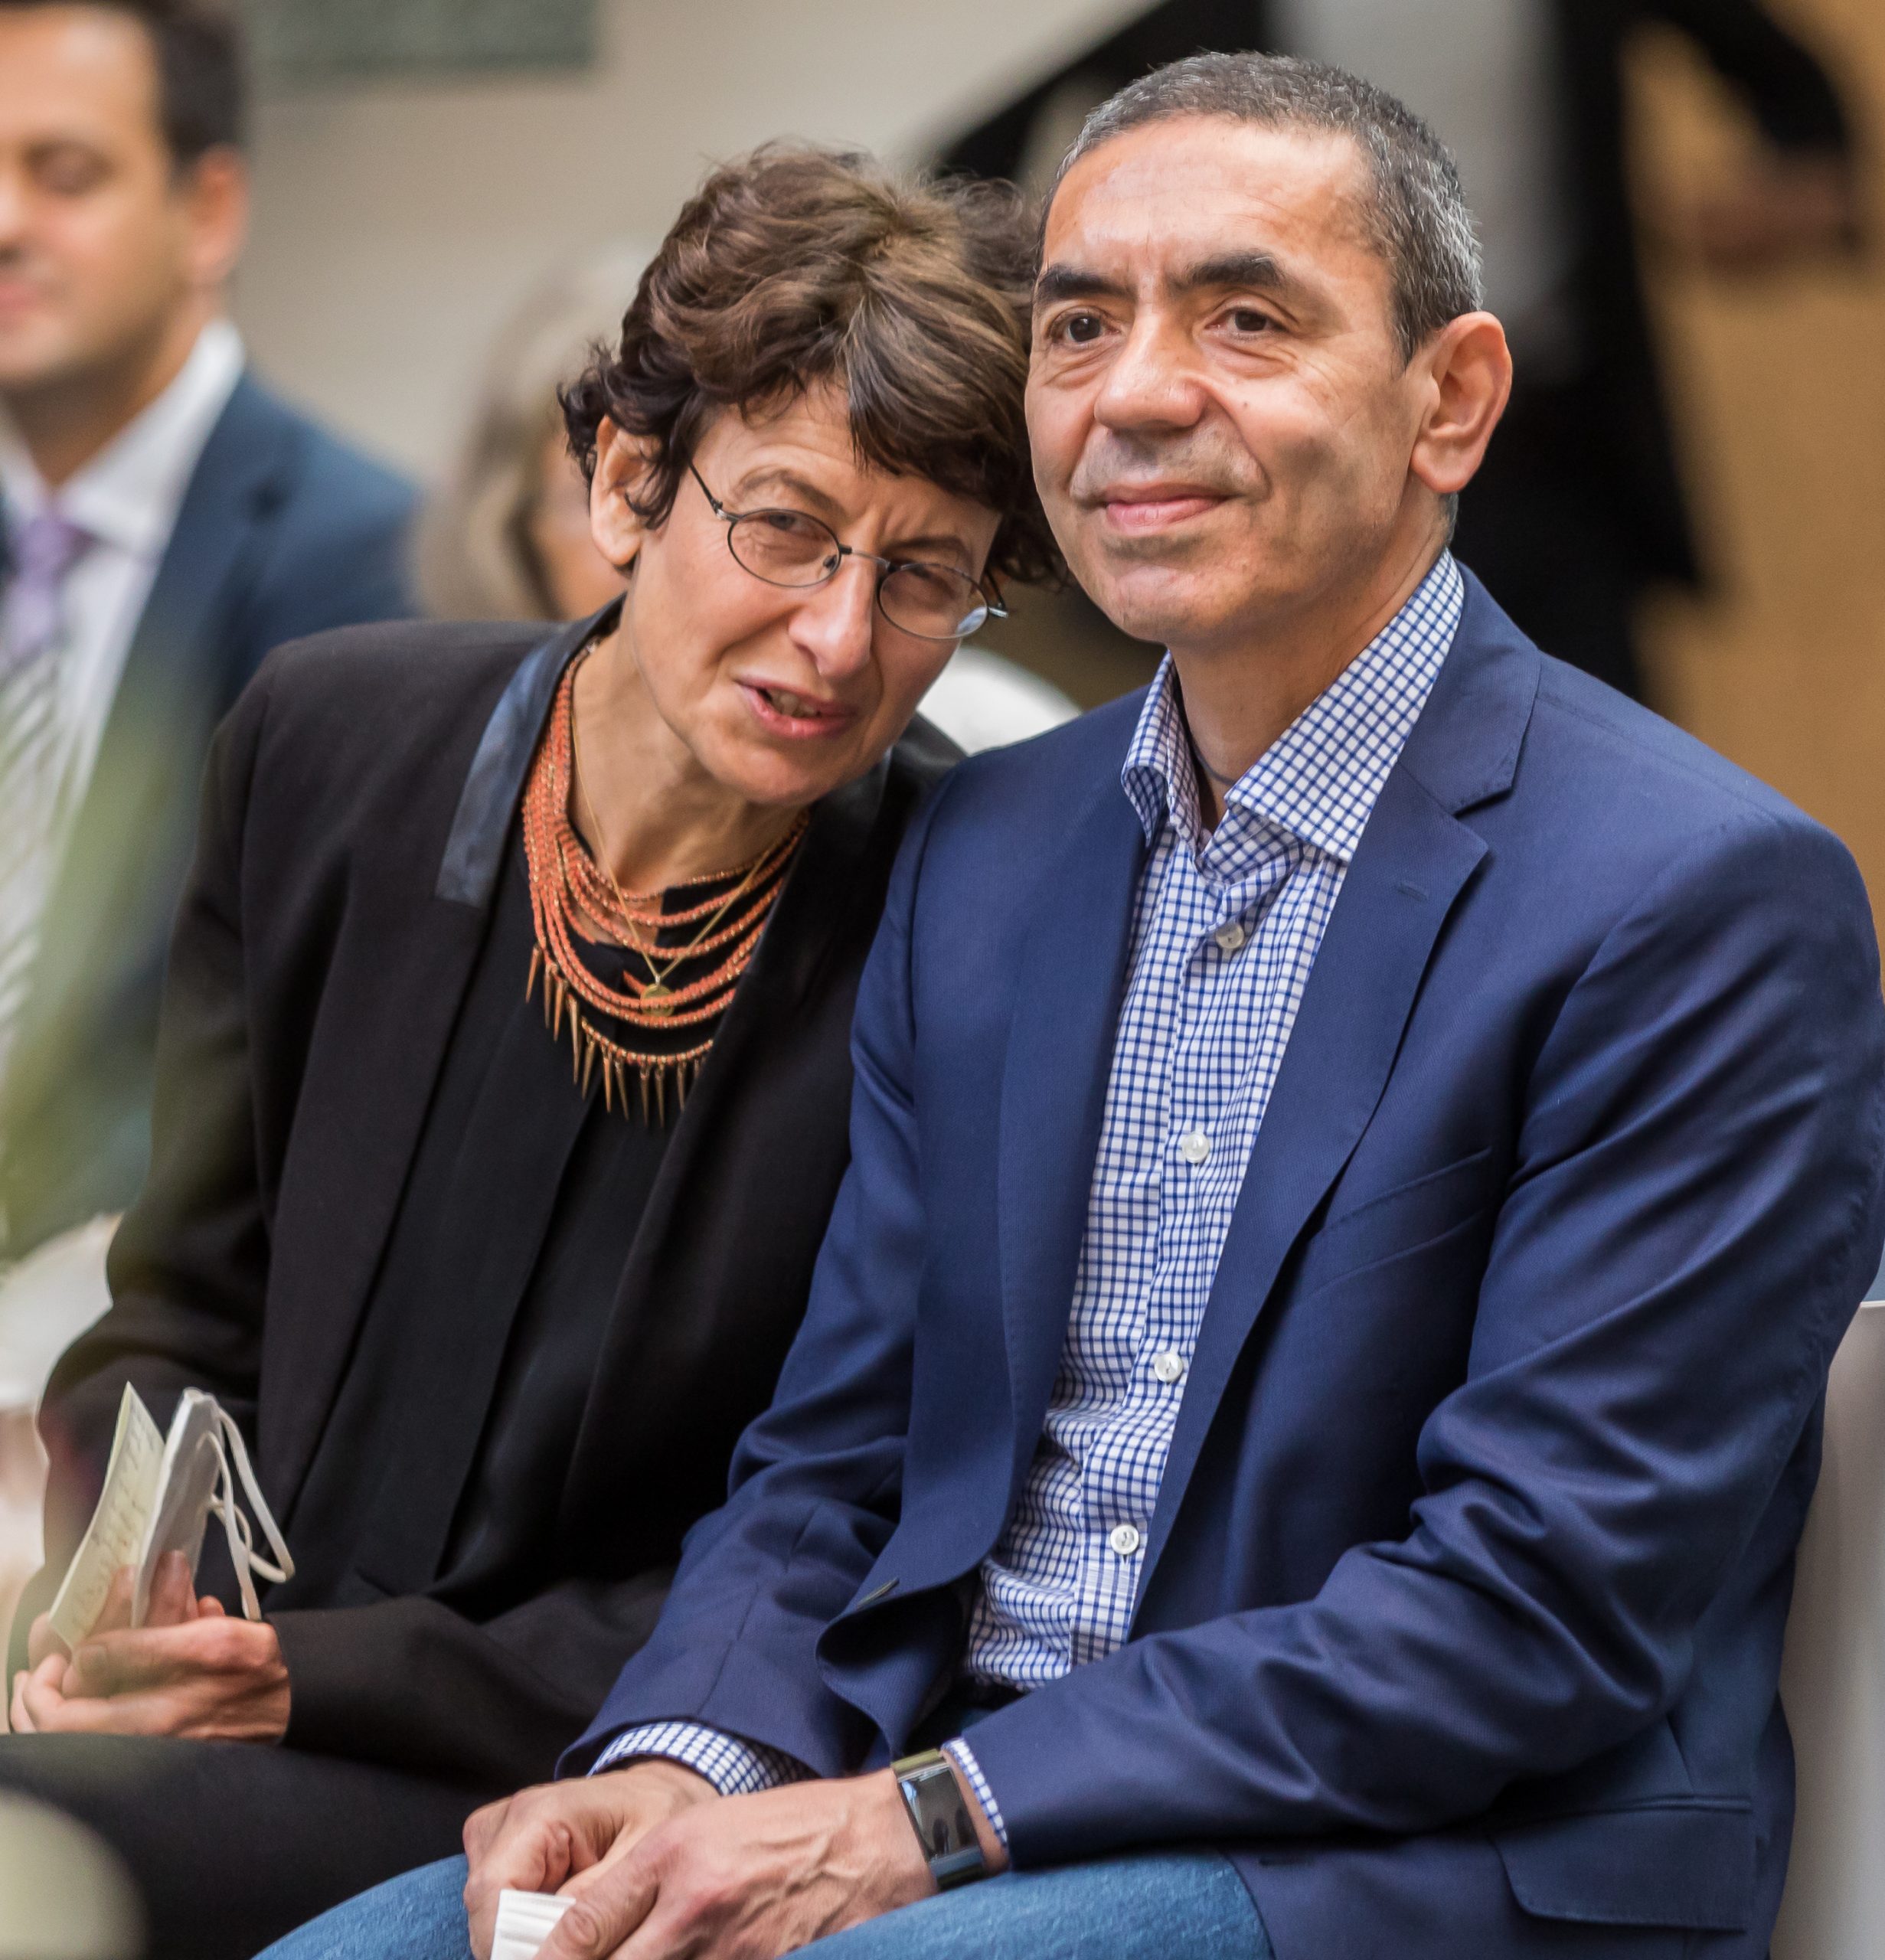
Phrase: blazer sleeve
(188,1267)
(416,1684)
(1697,1205)
(1790,93)
(816,1480)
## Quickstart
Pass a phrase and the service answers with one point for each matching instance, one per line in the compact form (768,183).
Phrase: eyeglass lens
(789,548)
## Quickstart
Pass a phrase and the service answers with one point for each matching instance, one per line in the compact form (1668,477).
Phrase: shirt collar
(1318,781)
(128,494)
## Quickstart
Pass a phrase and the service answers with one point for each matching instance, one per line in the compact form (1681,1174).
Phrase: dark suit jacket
(1460,1618)
(282,532)
(1630,461)
(356,810)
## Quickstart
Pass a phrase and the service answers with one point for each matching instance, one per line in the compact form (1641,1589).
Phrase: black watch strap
(940,1815)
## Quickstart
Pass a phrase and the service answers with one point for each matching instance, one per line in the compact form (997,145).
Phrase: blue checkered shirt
(1226,928)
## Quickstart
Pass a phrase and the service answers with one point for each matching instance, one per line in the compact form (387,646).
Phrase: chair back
(1832,1678)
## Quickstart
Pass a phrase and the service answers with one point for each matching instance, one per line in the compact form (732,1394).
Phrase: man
(1361,1159)
(165,522)
(1579,507)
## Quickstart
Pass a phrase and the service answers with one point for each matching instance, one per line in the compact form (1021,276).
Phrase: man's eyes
(1249,320)
(70,169)
(1077,329)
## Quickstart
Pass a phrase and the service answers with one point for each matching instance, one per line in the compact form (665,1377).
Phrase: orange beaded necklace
(666,1024)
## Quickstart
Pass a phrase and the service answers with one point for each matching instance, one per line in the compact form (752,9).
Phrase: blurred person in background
(1579,508)
(476,909)
(164,521)
(508,535)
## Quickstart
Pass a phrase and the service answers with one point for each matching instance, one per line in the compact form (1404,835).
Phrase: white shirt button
(1194,1146)
(1229,937)
(1168,1366)
(1124,1539)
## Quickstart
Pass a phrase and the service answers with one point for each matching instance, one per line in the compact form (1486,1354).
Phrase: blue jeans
(1151,1906)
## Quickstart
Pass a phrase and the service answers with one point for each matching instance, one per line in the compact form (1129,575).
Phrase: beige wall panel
(1780,388)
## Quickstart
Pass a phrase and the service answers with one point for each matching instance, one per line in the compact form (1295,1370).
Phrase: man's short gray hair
(1417,217)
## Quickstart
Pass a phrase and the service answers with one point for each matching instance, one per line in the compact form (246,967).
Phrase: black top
(351,912)
(488,1314)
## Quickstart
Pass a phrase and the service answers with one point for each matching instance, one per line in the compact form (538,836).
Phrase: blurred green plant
(312,40)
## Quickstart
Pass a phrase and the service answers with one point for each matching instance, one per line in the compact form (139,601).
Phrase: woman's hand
(190,1670)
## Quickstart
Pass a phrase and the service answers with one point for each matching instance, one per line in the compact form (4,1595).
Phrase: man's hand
(560,1834)
(749,1878)
(189,1670)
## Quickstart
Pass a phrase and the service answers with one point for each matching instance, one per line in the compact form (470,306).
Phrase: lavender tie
(42,550)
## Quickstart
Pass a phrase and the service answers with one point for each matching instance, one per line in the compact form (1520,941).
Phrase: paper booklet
(524,1920)
(159,1494)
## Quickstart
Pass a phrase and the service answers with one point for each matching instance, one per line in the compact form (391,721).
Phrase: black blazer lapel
(322,1266)
(1415,859)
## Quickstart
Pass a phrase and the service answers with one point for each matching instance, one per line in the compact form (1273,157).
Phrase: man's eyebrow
(1057,282)
(1256,271)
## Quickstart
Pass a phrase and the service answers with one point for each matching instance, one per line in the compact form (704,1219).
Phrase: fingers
(526,1843)
(19,1720)
(115,1613)
(607,1911)
(42,1642)
(37,1696)
(173,1592)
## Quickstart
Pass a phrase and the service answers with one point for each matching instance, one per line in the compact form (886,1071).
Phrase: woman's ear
(622,461)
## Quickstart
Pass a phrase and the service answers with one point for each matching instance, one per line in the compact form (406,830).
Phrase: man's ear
(622,461)
(215,189)
(1466,371)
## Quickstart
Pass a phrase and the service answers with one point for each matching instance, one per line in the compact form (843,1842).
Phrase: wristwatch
(939,1816)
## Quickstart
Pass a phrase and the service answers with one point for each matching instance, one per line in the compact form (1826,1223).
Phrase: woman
(508,535)
(504,1078)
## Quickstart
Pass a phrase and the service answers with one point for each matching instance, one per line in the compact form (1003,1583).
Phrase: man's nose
(1149,382)
(836,621)
(12,208)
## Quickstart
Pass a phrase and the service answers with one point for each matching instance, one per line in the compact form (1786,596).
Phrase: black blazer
(1631,448)
(355,813)
(282,532)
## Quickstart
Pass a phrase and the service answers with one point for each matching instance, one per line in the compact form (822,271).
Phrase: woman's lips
(795,716)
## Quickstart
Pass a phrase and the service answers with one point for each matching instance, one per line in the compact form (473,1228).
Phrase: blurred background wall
(400,219)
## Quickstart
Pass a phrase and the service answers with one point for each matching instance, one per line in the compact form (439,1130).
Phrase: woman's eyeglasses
(792,548)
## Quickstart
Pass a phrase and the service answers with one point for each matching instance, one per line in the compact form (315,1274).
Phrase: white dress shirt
(126,499)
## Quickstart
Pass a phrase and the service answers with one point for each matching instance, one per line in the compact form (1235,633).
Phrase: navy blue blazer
(283,531)
(1461,1615)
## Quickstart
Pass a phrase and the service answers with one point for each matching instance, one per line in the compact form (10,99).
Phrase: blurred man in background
(1580,506)
(164,521)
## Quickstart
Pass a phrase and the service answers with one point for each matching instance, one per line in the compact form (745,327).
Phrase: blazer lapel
(109,924)
(1053,1091)
(1415,859)
(322,1265)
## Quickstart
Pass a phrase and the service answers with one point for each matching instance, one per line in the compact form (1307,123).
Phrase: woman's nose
(837,620)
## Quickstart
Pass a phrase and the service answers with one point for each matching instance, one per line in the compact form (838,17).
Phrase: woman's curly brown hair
(798,265)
